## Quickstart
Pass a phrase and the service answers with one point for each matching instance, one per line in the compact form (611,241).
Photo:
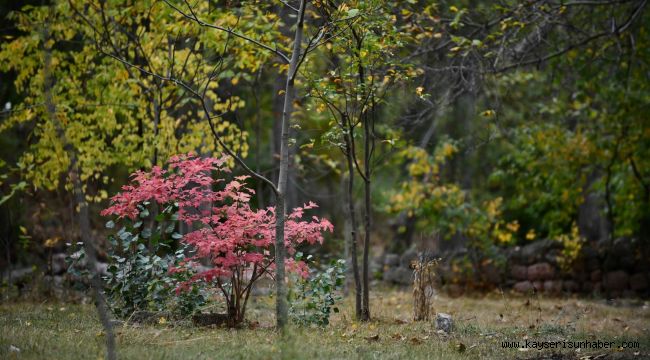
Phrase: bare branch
(192,16)
(286,3)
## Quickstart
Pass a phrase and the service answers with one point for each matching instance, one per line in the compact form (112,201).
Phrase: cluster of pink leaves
(232,235)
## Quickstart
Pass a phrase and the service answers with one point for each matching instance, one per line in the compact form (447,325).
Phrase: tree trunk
(156,124)
(365,306)
(353,229)
(80,199)
(91,255)
(280,207)
(367,155)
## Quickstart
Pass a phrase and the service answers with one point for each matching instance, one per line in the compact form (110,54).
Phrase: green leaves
(15,189)
(353,12)
(312,301)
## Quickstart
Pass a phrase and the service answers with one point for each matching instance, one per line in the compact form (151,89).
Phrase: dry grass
(62,331)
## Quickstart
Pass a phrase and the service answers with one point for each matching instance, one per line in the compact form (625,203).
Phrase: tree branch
(192,16)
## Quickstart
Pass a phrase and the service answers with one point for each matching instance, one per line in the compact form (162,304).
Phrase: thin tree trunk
(353,229)
(365,307)
(80,199)
(367,157)
(91,255)
(280,208)
(8,248)
(347,241)
(156,124)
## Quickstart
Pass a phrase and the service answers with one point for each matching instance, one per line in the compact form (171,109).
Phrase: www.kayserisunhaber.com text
(568,344)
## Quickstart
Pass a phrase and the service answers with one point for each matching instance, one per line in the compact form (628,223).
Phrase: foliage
(511,121)
(551,197)
(235,239)
(445,208)
(571,246)
(110,116)
(313,299)
(139,279)
(357,71)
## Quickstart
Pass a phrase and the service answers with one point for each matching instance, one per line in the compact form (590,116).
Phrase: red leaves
(233,236)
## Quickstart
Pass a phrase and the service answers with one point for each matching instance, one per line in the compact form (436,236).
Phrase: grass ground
(64,331)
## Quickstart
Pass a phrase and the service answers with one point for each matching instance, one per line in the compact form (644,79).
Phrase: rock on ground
(444,322)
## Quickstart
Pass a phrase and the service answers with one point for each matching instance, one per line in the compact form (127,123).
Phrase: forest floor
(481,325)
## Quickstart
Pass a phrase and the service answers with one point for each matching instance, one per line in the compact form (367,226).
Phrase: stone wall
(617,272)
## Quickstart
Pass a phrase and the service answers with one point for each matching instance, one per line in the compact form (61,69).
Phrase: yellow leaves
(453,9)
(228,20)
(513,226)
(419,90)
(52,242)
(121,75)
(572,245)
(493,207)
(531,235)
(448,149)
(283,68)
(309,145)
(489,113)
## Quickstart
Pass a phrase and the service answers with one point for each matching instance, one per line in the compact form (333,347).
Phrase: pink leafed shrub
(236,239)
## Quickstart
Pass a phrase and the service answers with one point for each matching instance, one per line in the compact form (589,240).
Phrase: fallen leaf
(253,325)
(460,347)
(415,341)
